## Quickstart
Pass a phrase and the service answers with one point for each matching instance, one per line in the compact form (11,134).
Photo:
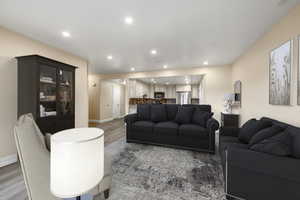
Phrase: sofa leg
(106,194)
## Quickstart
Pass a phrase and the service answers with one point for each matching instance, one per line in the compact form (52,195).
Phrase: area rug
(146,172)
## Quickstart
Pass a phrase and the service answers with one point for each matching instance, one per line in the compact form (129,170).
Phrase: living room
(194,100)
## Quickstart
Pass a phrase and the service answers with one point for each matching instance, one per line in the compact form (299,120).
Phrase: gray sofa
(35,162)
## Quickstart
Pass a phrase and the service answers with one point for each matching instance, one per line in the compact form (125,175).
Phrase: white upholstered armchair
(35,162)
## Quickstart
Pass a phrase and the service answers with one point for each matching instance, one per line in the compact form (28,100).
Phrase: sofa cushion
(193,130)
(201,117)
(280,145)
(143,111)
(264,134)
(166,128)
(184,115)
(172,110)
(251,127)
(143,126)
(158,113)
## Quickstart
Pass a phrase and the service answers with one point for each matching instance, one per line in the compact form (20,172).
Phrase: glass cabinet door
(65,93)
(47,91)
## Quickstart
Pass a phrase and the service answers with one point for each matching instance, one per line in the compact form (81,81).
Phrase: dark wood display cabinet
(46,88)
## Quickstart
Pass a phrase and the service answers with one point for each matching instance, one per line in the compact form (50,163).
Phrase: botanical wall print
(280,75)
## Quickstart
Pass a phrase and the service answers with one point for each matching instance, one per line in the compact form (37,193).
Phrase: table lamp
(77,161)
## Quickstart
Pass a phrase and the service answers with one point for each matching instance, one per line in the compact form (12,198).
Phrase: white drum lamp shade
(77,161)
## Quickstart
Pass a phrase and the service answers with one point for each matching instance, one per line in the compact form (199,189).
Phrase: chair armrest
(212,124)
(265,164)
(229,131)
(130,119)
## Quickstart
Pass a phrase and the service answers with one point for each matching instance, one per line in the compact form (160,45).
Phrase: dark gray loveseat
(155,124)
(255,175)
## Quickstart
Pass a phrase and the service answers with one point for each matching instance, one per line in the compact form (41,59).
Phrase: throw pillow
(184,115)
(279,145)
(158,113)
(251,127)
(143,112)
(265,133)
(201,117)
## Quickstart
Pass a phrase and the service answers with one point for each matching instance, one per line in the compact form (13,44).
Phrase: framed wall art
(280,75)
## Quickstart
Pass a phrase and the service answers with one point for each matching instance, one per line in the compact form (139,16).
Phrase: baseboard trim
(120,117)
(105,120)
(94,121)
(7,160)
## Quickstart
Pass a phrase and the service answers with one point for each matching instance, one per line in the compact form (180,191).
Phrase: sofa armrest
(265,164)
(130,119)
(229,131)
(212,124)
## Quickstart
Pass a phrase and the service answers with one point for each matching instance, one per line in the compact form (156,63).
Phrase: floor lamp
(77,161)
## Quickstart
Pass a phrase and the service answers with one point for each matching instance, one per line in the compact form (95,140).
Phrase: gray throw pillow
(265,134)
(279,145)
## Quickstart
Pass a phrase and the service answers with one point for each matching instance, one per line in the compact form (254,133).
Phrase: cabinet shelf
(47,82)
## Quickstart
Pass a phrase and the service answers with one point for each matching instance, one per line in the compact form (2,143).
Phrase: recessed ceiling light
(132,69)
(165,66)
(152,80)
(109,57)
(167,83)
(66,34)
(153,51)
(205,63)
(128,20)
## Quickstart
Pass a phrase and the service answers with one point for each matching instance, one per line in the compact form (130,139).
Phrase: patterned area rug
(145,172)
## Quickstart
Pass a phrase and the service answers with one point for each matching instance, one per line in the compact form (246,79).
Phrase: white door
(116,101)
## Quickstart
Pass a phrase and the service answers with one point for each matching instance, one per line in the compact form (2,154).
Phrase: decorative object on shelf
(298,70)
(237,93)
(228,102)
(69,150)
(280,75)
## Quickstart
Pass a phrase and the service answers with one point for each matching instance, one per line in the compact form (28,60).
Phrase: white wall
(12,45)
(252,68)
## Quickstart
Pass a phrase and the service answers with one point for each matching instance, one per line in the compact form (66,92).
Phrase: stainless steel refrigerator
(183,98)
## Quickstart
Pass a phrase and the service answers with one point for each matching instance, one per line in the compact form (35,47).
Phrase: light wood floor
(12,185)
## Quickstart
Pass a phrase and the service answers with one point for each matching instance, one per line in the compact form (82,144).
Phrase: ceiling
(173,80)
(184,33)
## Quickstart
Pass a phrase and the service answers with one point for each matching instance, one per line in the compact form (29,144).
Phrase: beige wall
(12,45)
(94,97)
(252,69)
(217,80)
(101,99)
